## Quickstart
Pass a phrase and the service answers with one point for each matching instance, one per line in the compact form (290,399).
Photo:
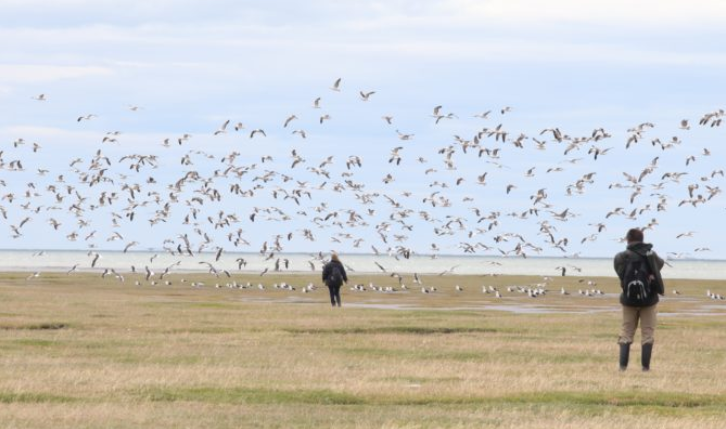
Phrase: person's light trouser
(631,316)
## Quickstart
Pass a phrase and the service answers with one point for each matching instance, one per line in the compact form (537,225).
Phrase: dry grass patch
(115,355)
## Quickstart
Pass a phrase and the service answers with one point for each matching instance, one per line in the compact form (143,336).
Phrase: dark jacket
(328,269)
(655,263)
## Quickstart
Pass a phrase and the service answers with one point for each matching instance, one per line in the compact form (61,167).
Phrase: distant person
(564,271)
(334,277)
(638,268)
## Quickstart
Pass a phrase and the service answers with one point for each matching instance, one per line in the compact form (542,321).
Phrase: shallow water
(704,310)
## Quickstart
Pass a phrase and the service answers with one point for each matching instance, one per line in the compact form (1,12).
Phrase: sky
(190,65)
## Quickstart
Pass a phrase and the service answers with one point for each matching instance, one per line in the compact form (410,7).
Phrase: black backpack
(336,277)
(636,282)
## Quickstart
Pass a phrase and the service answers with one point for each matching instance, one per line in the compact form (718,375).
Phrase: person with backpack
(334,277)
(638,268)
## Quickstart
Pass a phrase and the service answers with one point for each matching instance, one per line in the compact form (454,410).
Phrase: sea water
(64,260)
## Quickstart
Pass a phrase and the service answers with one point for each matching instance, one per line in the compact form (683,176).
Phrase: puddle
(516,309)
(704,310)
(693,313)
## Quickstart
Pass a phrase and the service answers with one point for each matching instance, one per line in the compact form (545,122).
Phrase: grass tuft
(620,399)
(243,395)
(35,327)
(33,398)
(413,330)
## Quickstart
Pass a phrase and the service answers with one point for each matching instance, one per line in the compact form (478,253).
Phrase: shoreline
(300,273)
(414,256)
(364,265)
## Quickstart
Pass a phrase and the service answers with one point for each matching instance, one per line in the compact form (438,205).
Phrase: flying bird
(223,128)
(86,117)
(257,131)
(366,95)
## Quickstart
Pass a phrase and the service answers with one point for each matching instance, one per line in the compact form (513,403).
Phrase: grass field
(79,351)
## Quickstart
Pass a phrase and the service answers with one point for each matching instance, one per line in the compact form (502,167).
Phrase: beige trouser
(631,315)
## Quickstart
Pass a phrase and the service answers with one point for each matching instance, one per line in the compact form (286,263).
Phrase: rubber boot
(624,356)
(647,350)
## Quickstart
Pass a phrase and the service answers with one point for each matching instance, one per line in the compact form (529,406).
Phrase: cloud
(243,49)
(659,13)
(35,73)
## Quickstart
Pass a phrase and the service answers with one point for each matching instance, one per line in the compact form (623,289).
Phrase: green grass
(241,395)
(415,355)
(34,342)
(34,398)
(618,399)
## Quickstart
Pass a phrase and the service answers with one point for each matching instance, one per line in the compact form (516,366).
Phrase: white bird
(366,95)
(86,117)
(223,128)
(301,133)
(404,137)
(130,245)
(685,234)
(149,273)
(288,120)
(257,131)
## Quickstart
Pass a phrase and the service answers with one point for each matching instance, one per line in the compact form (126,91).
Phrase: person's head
(634,235)
(334,257)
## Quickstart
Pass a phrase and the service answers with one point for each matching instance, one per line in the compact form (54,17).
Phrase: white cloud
(228,47)
(662,13)
(34,73)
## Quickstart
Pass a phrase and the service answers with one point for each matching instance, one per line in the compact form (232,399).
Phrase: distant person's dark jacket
(655,263)
(328,269)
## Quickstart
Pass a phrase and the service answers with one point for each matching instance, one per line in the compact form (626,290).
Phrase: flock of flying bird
(210,203)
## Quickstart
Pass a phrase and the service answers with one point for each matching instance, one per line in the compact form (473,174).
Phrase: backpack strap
(653,267)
